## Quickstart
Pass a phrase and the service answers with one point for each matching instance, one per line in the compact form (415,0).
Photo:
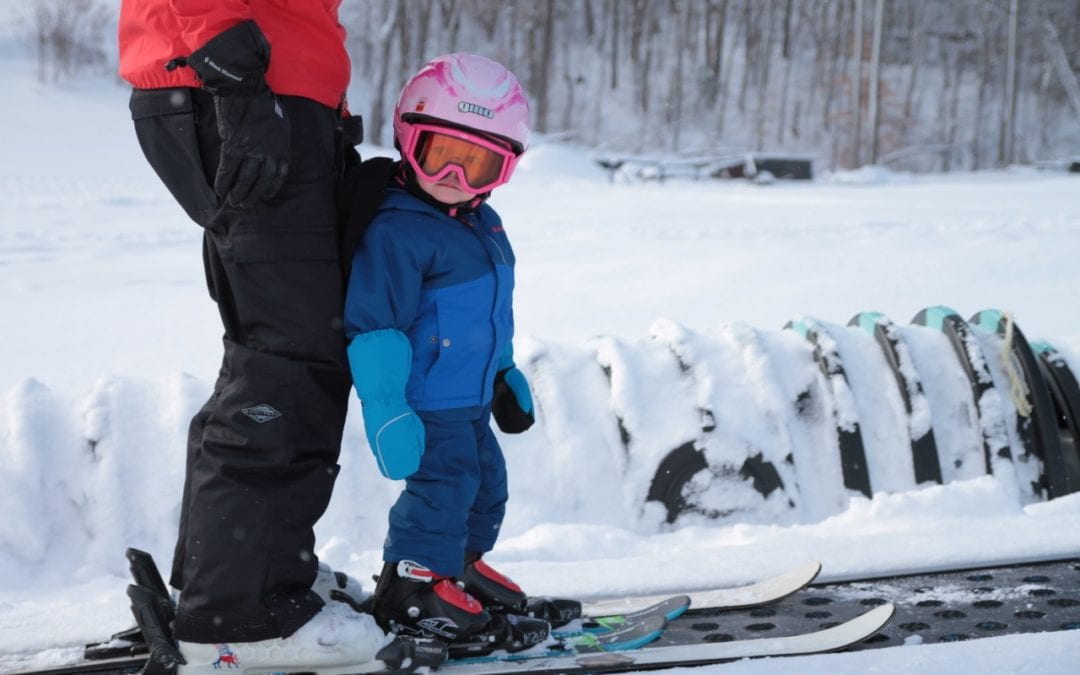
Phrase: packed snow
(110,344)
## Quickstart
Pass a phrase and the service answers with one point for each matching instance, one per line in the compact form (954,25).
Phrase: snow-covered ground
(109,344)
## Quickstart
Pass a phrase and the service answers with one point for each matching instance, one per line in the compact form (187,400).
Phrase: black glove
(511,402)
(255,139)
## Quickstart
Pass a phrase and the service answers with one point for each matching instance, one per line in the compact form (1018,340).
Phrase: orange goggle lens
(482,165)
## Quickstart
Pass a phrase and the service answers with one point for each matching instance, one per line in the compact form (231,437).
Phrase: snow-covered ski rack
(780,426)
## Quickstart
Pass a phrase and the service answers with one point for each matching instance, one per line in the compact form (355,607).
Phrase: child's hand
(512,404)
(380,361)
(396,437)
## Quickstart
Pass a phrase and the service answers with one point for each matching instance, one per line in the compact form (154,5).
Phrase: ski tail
(151,590)
(145,572)
(153,621)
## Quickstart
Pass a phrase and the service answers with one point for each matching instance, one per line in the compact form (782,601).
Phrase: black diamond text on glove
(254,130)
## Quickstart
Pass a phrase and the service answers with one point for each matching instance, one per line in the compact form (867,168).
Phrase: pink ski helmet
(467,92)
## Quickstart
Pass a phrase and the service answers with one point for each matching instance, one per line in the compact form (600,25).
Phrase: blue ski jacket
(445,283)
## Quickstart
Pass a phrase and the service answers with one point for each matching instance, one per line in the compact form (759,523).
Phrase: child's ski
(840,636)
(631,636)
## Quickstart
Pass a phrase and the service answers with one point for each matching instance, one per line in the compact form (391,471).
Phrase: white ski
(752,595)
(840,636)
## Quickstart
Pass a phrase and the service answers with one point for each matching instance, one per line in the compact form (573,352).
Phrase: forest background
(917,85)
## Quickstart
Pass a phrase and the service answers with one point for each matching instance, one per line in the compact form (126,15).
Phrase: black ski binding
(153,614)
(556,611)
(130,642)
(408,654)
(511,632)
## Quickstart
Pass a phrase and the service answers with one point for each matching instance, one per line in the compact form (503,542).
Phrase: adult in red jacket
(237,107)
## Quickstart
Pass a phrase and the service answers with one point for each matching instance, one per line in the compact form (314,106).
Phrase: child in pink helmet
(429,319)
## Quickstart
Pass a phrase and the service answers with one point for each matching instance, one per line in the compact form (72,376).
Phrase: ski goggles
(481,164)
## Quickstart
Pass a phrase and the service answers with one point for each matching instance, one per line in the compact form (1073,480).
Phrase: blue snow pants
(455,502)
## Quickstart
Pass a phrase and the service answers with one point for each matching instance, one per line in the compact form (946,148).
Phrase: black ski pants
(262,452)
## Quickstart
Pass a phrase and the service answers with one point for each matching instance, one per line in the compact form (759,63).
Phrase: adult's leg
(263,452)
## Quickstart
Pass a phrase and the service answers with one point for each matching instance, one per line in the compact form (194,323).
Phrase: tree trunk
(954,114)
(765,52)
(874,112)
(1008,117)
(615,11)
(675,108)
(384,47)
(725,80)
(1061,66)
(856,84)
(543,57)
(790,34)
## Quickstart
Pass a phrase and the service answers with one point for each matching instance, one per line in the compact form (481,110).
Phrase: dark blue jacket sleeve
(385,283)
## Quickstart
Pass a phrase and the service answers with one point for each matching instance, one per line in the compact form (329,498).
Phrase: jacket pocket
(466,343)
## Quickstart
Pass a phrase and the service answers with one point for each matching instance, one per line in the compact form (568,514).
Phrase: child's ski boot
(412,600)
(500,595)
(496,591)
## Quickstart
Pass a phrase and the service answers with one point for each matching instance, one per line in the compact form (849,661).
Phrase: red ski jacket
(307,44)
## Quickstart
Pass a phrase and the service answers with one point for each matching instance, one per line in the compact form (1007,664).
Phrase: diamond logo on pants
(264,412)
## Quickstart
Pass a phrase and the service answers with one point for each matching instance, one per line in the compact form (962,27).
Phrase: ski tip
(875,618)
(808,571)
(679,605)
(854,630)
(634,637)
(888,610)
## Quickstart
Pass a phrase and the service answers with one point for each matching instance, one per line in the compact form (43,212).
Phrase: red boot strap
(486,570)
(452,593)
(407,569)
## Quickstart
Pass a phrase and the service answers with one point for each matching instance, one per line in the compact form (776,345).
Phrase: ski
(826,640)
(129,643)
(667,609)
(763,592)
(614,625)
(631,636)
(585,656)
(401,657)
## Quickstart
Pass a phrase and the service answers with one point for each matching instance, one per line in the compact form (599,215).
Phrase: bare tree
(986,77)
(714,26)
(380,106)
(787,50)
(873,112)
(69,36)
(764,64)
(542,56)
(1008,118)
(615,10)
(856,84)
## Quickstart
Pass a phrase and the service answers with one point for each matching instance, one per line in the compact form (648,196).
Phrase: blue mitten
(396,437)
(511,402)
(380,362)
